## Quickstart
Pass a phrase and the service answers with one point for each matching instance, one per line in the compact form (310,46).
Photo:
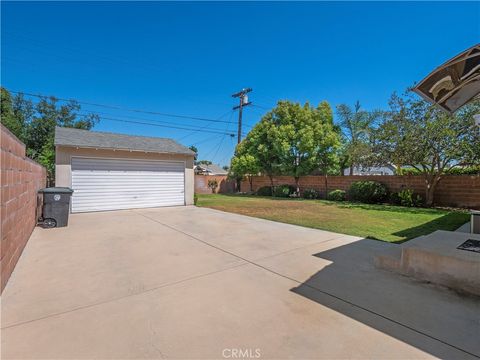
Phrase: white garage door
(112,184)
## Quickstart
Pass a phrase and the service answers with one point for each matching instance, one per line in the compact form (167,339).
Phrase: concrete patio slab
(153,284)
(248,237)
(242,308)
(99,257)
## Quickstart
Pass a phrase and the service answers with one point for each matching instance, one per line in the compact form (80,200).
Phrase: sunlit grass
(382,222)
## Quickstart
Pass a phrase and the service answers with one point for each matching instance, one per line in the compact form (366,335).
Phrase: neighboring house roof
(211,169)
(105,140)
(373,170)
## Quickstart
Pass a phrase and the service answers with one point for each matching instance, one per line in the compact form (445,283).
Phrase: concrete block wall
(452,190)
(224,184)
(21,178)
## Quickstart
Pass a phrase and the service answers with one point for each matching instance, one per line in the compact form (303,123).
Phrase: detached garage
(113,171)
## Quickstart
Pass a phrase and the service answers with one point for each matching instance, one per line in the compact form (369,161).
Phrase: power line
(157,122)
(206,139)
(215,147)
(194,128)
(208,125)
(221,143)
(261,107)
(218,120)
(74,53)
(142,121)
(160,125)
(120,107)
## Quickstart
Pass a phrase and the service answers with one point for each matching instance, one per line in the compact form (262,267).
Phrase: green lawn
(382,222)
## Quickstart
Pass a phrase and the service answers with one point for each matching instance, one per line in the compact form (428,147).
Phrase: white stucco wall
(64,154)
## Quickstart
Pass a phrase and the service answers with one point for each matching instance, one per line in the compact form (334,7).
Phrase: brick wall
(452,190)
(224,184)
(20,180)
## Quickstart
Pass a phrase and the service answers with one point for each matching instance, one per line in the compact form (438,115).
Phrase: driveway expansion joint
(124,296)
(362,308)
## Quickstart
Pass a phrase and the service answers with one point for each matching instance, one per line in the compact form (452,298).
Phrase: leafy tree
(244,165)
(416,134)
(35,124)
(357,127)
(8,117)
(306,138)
(292,139)
(328,156)
(261,142)
(195,150)
(16,112)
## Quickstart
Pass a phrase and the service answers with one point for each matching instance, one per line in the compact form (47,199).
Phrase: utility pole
(242,95)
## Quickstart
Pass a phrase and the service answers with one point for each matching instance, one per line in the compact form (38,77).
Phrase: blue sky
(188,58)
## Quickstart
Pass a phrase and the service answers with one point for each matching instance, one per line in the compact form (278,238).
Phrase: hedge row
(370,192)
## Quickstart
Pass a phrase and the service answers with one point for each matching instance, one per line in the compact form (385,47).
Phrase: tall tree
(16,112)
(195,150)
(419,135)
(329,146)
(204,162)
(262,143)
(292,139)
(356,127)
(307,138)
(34,124)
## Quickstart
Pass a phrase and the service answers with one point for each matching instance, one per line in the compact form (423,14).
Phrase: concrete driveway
(191,282)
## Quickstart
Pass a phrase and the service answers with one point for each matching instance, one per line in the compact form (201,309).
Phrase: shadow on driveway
(432,319)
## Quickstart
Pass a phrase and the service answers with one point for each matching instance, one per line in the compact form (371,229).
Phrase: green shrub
(264,191)
(394,198)
(195,199)
(406,197)
(310,194)
(408,171)
(213,184)
(468,170)
(369,192)
(284,190)
(336,195)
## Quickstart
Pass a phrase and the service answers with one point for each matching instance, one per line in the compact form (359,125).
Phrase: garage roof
(105,140)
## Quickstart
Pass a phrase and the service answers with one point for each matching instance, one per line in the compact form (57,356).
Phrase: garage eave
(122,149)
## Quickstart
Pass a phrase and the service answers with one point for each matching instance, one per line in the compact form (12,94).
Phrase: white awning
(455,83)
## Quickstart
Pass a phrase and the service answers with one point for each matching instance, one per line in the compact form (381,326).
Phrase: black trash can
(56,206)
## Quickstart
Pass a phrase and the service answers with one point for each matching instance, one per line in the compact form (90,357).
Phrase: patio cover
(455,83)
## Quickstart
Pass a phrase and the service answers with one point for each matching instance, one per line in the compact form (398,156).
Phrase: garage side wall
(63,164)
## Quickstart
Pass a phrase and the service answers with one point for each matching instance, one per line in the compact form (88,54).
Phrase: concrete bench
(435,258)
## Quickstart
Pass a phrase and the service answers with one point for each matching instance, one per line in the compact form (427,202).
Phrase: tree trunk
(326,186)
(351,170)
(431,185)
(239,185)
(297,179)
(271,183)
(250,180)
